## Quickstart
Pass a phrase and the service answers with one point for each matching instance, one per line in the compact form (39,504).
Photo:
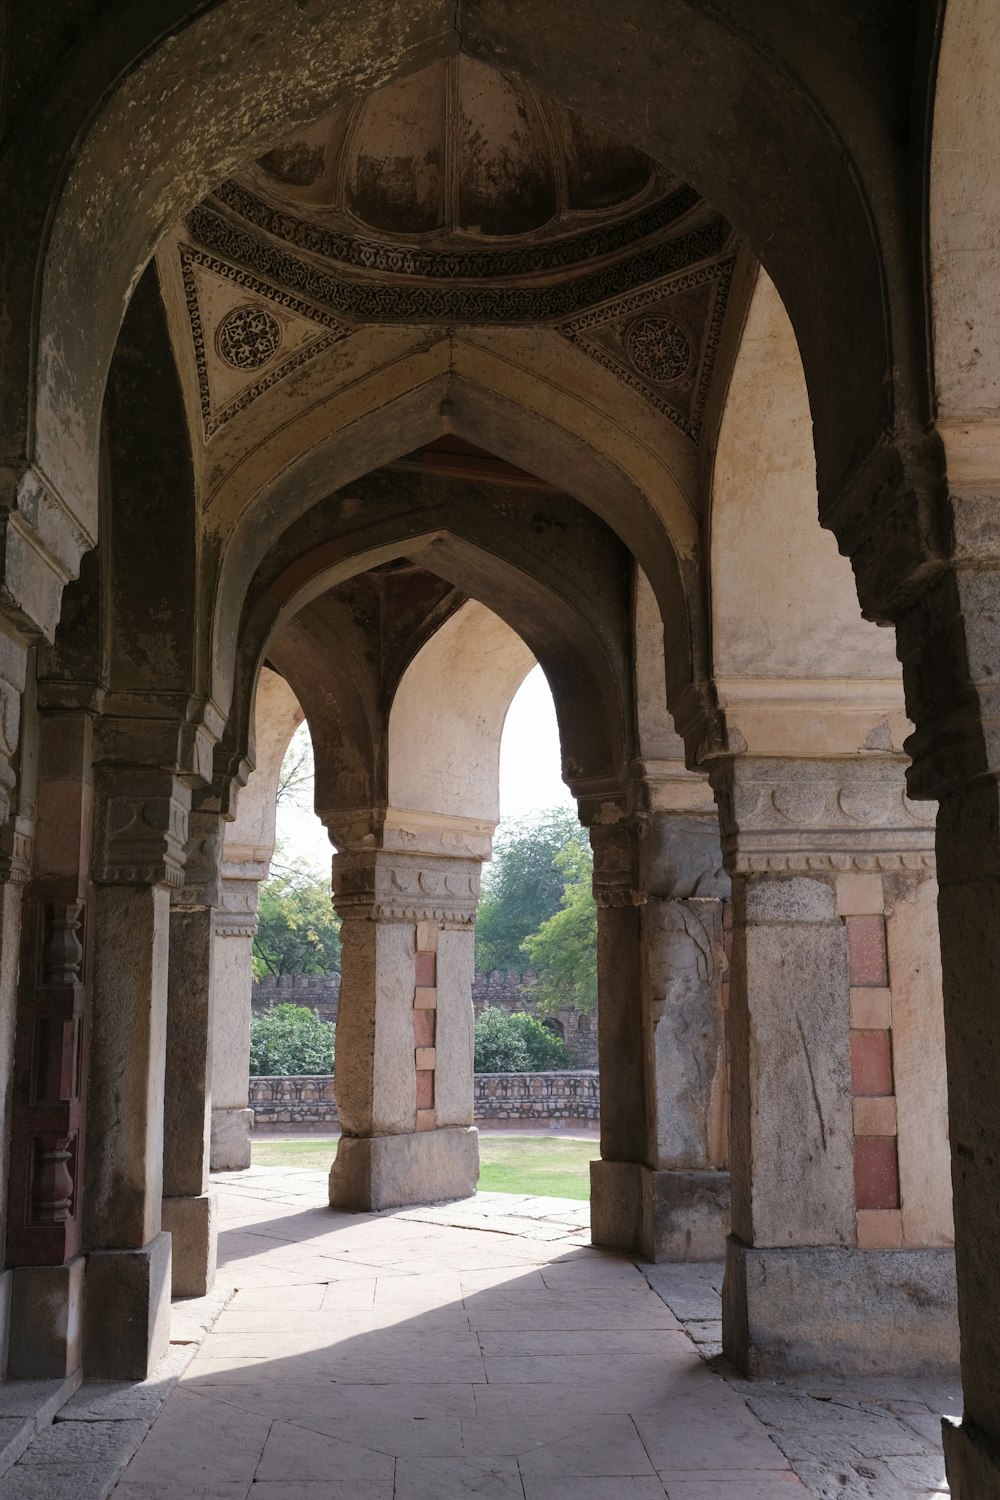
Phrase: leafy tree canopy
(298,931)
(524,885)
(290,1039)
(514,1042)
(563,952)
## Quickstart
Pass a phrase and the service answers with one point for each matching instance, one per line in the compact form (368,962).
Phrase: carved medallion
(248,337)
(659,349)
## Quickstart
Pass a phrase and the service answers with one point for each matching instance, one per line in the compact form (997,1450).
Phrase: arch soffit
(226,84)
(617,488)
(964,242)
(592,690)
(787,629)
(276,715)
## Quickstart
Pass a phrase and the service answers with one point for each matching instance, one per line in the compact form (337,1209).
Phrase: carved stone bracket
(390,886)
(619,851)
(202,861)
(140,827)
(16,843)
(835,816)
(236,908)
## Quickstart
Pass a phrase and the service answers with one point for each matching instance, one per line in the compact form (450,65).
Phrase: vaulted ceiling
(449,198)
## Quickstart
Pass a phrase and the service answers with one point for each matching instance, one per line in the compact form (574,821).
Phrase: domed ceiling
(456,196)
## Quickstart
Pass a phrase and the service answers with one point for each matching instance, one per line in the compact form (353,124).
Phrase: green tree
(514,1042)
(298,931)
(563,952)
(524,884)
(290,1039)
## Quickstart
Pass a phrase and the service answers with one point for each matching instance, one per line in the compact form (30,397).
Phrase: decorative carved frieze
(390,886)
(140,828)
(17,837)
(824,815)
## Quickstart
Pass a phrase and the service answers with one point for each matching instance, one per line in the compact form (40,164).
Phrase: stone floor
(479,1349)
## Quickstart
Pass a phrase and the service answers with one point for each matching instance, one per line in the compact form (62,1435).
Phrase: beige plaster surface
(795,663)
(965,213)
(448,714)
(277,715)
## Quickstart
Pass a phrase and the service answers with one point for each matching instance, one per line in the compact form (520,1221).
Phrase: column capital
(836,816)
(390,885)
(140,827)
(202,863)
(236,907)
(619,862)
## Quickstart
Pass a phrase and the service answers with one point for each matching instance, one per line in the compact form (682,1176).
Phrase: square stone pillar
(661,1187)
(141,829)
(188,1209)
(232,977)
(47,1152)
(818,1273)
(404,1062)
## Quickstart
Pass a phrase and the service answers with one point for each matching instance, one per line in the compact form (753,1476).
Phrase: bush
(290,1039)
(514,1042)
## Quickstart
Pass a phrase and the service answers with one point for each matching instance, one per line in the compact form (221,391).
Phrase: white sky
(530,779)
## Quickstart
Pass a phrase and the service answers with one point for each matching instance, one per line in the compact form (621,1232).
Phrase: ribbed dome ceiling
(458,150)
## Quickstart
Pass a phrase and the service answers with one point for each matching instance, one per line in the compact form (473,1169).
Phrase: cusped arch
(447,717)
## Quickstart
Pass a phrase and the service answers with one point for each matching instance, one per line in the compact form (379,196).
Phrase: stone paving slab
(480,1348)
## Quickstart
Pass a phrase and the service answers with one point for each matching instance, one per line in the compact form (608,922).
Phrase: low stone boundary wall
(519,1098)
(307,1101)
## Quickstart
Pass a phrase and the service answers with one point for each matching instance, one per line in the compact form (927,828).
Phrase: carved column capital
(202,863)
(140,827)
(236,908)
(619,862)
(824,816)
(388,885)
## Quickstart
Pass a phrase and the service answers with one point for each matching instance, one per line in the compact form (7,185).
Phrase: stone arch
(796,667)
(194,95)
(552,615)
(634,491)
(447,717)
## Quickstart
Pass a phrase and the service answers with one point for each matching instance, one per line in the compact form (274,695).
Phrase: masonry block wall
(567,1099)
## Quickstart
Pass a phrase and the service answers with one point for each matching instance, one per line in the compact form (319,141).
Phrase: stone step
(26,1408)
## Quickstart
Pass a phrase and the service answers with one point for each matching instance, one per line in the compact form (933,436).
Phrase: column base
(685,1215)
(660,1215)
(394,1171)
(616,1204)
(230,1148)
(191,1224)
(127,1319)
(792,1311)
(972,1460)
(46,1320)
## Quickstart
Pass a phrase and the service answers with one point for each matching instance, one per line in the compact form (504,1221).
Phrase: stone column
(141,829)
(404,1064)
(45,1207)
(188,1210)
(232,975)
(686,1205)
(818,1275)
(617,1180)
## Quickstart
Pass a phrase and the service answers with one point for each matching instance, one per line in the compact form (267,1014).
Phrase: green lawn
(546,1164)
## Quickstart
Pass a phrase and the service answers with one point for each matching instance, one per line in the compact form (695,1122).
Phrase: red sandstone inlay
(871,1063)
(876,1172)
(425,1088)
(423,1028)
(866,951)
(426,970)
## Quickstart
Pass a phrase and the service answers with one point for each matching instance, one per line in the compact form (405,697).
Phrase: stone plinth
(392,1171)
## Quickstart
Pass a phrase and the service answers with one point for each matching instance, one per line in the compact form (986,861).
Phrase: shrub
(290,1039)
(514,1042)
